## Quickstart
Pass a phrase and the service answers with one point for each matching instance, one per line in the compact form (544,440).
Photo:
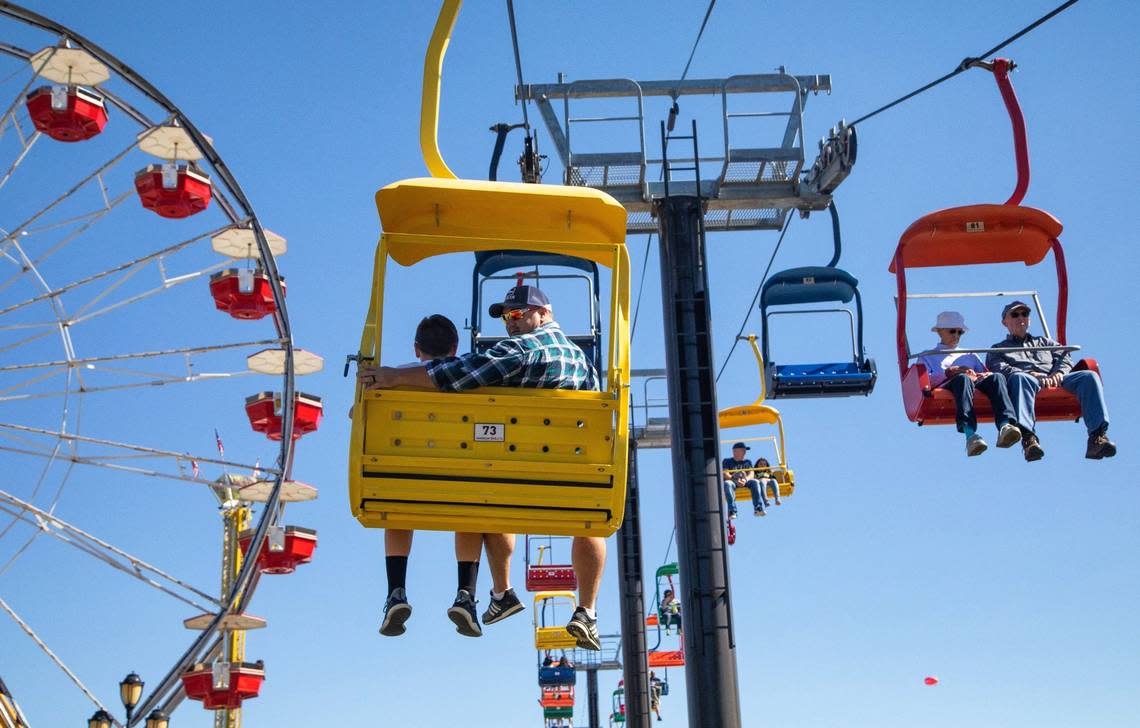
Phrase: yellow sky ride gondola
(759,414)
(493,459)
(552,637)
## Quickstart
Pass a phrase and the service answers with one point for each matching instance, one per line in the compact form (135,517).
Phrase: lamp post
(157,719)
(130,692)
(101,719)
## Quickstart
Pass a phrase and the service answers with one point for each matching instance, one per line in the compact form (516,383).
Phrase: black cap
(741,444)
(520,297)
(1014,305)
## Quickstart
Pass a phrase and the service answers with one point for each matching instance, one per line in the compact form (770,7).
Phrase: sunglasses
(957,332)
(515,314)
(1019,314)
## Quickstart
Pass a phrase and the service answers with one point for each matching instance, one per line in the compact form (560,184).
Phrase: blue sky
(897,558)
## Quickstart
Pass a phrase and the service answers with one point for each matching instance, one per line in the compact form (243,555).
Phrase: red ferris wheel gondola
(67,113)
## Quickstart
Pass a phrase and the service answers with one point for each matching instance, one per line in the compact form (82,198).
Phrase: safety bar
(996,350)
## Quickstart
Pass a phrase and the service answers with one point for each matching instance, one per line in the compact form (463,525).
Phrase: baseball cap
(741,444)
(520,297)
(1014,305)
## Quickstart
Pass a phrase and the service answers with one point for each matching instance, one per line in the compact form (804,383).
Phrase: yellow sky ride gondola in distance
(547,636)
(492,459)
(759,414)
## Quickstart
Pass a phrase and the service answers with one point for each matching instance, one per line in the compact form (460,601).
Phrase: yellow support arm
(429,105)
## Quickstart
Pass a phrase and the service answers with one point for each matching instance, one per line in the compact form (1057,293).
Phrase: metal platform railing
(758,180)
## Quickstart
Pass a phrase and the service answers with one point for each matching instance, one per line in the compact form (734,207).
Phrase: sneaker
(396,612)
(1008,435)
(1031,447)
(1100,446)
(462,612)
(759,512)
(502,608)
(584,630)
(732,516)
(975,445)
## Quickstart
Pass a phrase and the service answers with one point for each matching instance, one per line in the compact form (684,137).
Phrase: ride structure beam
(635,662)
(592,699)
(710,653)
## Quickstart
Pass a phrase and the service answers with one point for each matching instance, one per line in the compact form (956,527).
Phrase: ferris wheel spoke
(54,657)
(34,337)
(167,284)
(89,220)
(9,116)
(91,217)
(51,373)
(53,294)
(96,175)
(104,551)
(180,352)
(119,451)
(27,147)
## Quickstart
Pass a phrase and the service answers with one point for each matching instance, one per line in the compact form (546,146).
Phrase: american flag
(221,447)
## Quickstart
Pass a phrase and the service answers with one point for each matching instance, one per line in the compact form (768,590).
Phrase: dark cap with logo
(741,445)
(520,297)
(1013,306)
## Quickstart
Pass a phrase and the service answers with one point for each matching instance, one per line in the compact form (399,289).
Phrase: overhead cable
(698,40)
(518,59)
(969,62)
(640,287)
(672,118)
(755,297)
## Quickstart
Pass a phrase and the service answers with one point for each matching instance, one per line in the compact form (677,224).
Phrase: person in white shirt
(961,374)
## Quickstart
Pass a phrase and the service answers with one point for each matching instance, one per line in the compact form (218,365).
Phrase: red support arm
(1001,67)
(1062,289)
(900,325)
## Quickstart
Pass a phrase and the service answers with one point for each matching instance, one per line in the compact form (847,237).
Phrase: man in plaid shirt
(538,355)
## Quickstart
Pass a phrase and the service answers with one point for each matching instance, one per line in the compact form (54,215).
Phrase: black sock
(397,568)
(468,575)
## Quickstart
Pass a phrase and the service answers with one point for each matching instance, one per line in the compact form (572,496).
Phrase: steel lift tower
(755,186)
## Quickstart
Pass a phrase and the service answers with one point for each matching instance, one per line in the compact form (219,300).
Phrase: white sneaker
(975,445)
(1008,435)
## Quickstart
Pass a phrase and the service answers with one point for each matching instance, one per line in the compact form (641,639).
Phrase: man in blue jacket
(1042,365)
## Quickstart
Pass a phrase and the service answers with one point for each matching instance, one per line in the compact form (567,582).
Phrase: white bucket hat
(949,320)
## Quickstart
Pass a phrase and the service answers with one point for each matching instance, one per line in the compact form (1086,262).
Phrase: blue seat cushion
(848,371)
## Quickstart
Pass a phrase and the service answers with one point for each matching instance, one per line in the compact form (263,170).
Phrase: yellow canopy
(425,217)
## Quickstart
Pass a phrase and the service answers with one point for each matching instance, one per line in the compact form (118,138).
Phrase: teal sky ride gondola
(805,286)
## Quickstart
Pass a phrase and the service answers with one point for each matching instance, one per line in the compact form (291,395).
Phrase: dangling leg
(397,546)
(996,389)
(1087,387)
(504,601)
(1023,390)
(962,387)
(468,548)
(759,500)
(730,498)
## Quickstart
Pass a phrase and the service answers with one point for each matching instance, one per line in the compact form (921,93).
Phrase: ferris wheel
(141,310)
